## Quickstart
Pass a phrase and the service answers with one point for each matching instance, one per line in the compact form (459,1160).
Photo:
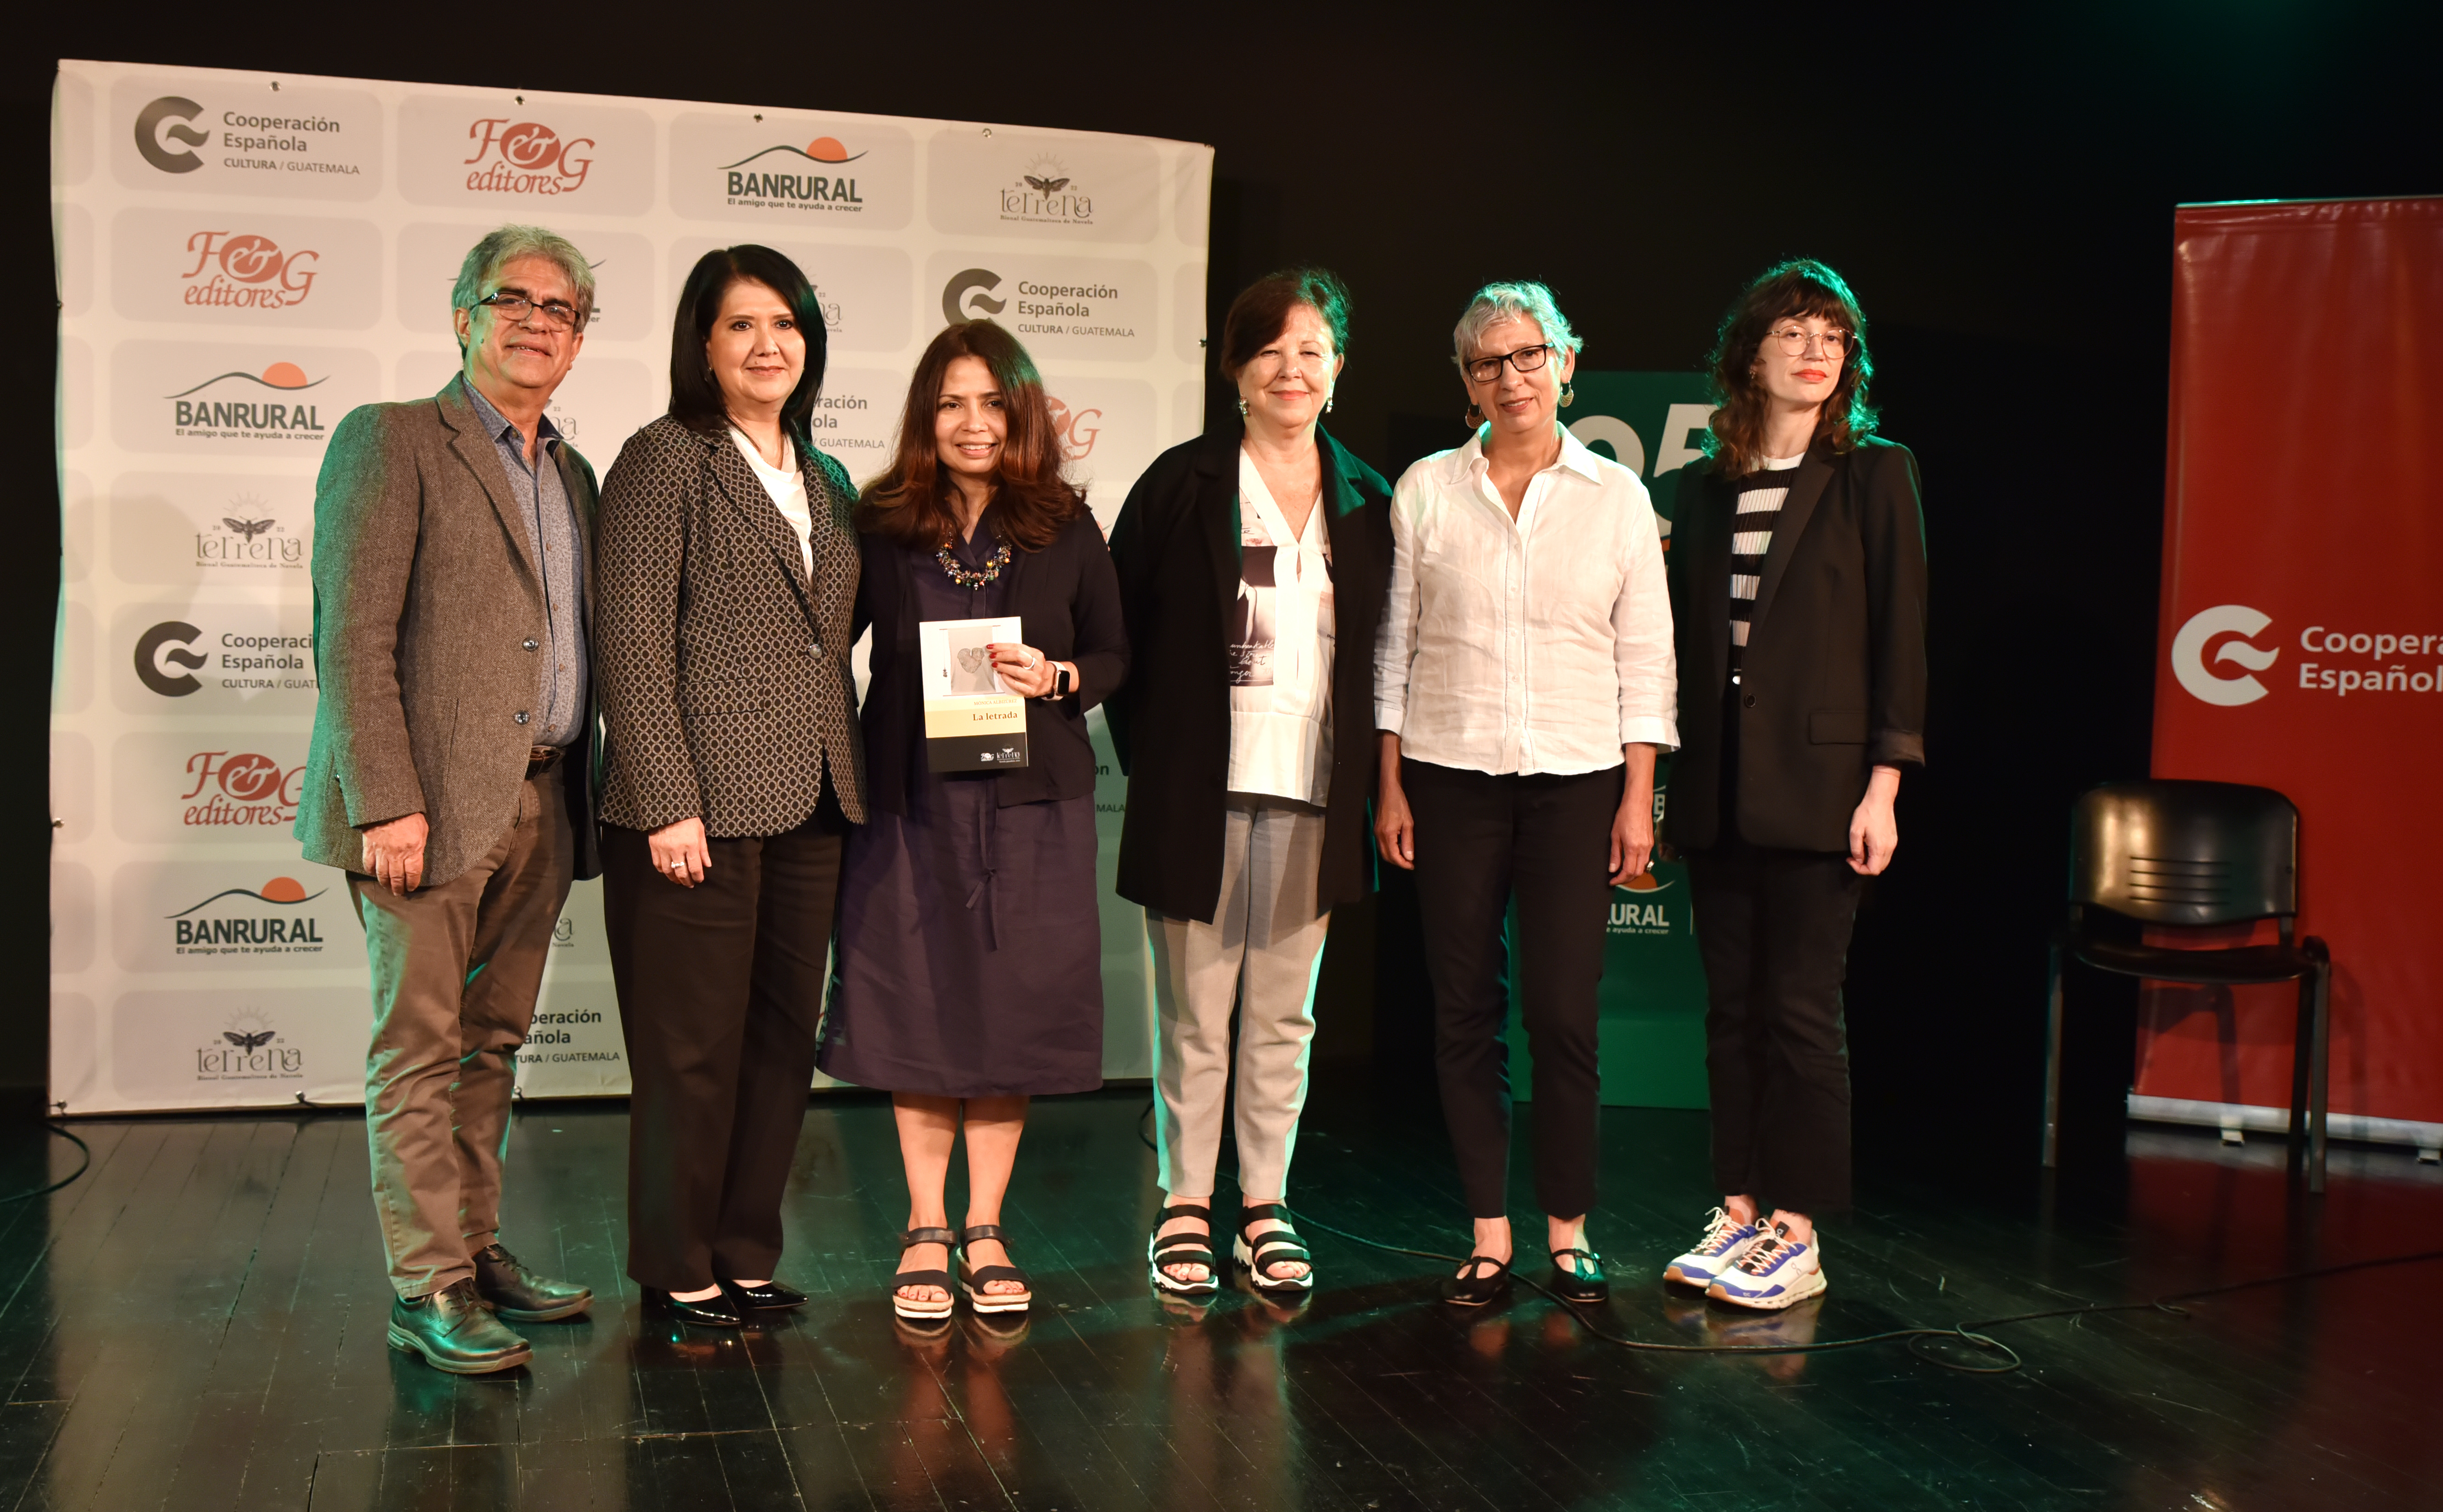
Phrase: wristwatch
(1059,685)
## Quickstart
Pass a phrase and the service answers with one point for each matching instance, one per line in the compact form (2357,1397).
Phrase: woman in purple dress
(971,946)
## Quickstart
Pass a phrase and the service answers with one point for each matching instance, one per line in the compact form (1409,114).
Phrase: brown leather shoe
(455,1331)
(521,1296)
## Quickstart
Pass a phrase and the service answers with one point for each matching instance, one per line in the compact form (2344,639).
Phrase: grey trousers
(1260,954)
(455,972)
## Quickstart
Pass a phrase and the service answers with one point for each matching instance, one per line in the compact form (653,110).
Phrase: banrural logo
(241,404)
(269,920)
(790,178)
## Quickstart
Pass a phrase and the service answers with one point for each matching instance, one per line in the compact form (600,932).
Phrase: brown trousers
(455,972)
(720,992)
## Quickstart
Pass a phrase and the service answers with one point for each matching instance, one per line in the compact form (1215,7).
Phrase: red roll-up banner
(2302,635)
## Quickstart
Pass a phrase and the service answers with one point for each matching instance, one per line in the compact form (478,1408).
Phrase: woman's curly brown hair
(1800,288)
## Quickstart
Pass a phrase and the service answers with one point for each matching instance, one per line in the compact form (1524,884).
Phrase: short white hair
(1496,302)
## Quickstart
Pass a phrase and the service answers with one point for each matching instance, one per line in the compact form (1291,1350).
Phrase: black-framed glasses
(1526,360)
(515,308)
(1793,342)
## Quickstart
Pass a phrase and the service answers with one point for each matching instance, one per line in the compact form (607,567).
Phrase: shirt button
(531,645)
(521,714)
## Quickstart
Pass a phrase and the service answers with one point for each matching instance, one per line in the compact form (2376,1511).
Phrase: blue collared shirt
(552,531)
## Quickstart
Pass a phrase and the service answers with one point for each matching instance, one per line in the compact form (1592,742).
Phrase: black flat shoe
(1473,1290)
(1579,1279)
(771,1296)
(709,1312)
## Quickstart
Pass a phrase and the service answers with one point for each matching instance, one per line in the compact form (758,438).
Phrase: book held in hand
(973,722)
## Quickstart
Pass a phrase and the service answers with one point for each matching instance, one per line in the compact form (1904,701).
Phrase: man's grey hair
(1496,302)
(496,251)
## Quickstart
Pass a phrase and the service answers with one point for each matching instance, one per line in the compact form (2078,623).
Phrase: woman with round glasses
(1245,558)
(1523,688)
(1799,583)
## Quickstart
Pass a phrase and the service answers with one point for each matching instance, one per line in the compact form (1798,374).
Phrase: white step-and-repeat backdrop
(243,258)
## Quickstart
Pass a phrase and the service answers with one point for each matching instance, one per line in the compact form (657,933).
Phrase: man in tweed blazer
(451,770)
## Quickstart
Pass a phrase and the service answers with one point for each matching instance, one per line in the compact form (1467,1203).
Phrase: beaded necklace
(973,577)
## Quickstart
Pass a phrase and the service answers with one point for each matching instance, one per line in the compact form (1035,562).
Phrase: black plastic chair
(2192,855)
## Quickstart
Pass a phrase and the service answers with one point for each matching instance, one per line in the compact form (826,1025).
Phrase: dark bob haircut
(1801,287)
(1262,312)
(695,398)
(911,502)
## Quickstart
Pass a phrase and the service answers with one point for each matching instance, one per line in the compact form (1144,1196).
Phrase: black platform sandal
(1570,1283)
(973,1279)
(1473,1290)
(1279,1247)
(1183,1249)
(909,1306)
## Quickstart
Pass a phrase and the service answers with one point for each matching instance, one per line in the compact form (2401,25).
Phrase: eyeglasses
(514,307)
(1526,360)
(1794,341)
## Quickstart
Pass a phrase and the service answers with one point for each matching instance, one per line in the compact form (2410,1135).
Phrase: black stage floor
(198,1322)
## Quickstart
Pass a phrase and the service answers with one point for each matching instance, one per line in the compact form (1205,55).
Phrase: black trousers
(1480,838)
(1773,929)
(721,993)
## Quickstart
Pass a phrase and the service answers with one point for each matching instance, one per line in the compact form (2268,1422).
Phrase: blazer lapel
(744,493)
(1797,510)
(481,453)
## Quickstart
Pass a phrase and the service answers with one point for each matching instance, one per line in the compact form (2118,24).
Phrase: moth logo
(247,272)
(791,178)
(240,930)
(968,296)
(527,159)
(150,129)
(168,641)
(1046,195)
(237,405)
(2188,658)
(249,1050)
(243,541)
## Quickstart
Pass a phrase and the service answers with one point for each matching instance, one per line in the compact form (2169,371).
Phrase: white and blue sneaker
(1726,1239)
(1774,1273)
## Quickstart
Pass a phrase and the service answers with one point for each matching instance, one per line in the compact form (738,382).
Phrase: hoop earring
(1568,394)
(1242,408)
(1473,417)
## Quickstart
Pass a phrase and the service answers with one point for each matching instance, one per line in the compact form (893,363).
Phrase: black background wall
(1996,180)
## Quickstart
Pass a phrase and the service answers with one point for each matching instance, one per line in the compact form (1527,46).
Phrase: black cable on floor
(1969,1333)
(43,1192)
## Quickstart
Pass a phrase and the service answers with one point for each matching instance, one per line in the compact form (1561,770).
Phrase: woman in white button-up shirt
(1523,687)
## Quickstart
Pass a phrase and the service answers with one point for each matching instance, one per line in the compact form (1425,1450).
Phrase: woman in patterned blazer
(727,572)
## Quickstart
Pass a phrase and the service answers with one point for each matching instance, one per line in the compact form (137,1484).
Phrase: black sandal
(1183,1249)
(910,1306)
(1573,1284)
(973,1279)
(1473,1290)
(1279,1247)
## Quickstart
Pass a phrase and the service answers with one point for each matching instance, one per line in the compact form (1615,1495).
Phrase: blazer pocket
(1837,727)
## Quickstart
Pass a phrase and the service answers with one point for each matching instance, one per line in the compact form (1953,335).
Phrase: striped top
(1759,497)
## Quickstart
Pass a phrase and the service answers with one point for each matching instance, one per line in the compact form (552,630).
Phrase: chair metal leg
(2054,1059)
(2302,1056)
(2319,1086)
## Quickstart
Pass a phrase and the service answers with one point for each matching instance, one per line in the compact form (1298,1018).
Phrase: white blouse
(787,486)
(1280,642)
(1541,645)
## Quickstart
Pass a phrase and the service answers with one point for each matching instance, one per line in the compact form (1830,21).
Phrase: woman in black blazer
(1245,558)
(970,949)
(1798,586)
(726,579)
